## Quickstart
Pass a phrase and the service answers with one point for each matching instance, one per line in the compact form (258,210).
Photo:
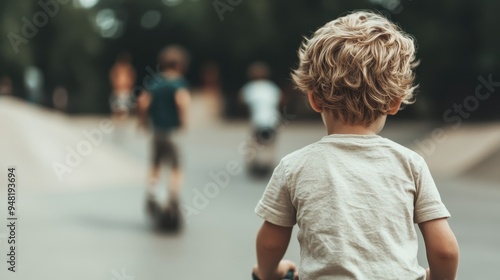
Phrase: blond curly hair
(358,66)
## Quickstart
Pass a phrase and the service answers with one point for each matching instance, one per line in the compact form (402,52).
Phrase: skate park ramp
(487,169)
(472,149)
(36,140)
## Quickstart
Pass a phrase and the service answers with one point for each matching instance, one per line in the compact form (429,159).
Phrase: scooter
(289,276)
(164,220)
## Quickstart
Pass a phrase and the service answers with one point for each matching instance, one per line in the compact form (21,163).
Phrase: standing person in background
(122,77)
(166,104)
(5,86)
(262,96)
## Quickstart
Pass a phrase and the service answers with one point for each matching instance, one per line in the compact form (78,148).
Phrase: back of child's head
(174,58)
(358,66)
(258,71)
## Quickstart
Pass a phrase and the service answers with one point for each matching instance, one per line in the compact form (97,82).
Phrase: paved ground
(80,229)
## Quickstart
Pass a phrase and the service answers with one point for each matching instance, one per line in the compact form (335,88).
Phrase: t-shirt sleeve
(428,204)
(276,206)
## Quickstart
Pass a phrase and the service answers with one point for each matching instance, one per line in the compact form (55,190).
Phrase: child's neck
(339,127)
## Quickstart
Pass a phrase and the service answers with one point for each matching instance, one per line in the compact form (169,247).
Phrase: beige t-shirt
(355,199)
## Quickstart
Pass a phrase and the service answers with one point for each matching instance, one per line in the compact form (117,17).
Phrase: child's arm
(272,242)
(143,102)
(183,99)
(442,249)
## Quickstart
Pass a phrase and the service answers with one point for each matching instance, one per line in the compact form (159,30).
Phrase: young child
(262,96)
(167,103)
(355,195)
(122,76)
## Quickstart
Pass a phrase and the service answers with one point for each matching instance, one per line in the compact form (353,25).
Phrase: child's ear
(314,104)
(395,105)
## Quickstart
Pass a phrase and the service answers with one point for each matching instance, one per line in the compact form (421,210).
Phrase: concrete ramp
(34,138)
(456,151)
(488,169)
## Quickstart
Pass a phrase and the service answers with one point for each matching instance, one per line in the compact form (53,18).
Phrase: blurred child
(122,77)
(355,195)
(262,96)
(167,103)
(5,85)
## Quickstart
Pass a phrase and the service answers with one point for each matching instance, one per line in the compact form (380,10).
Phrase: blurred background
(88,222)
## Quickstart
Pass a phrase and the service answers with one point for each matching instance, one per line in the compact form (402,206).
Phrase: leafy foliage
(457,43)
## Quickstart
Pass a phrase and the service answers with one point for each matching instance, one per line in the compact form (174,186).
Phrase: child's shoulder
(380,144)
(403,151)
(303,154)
